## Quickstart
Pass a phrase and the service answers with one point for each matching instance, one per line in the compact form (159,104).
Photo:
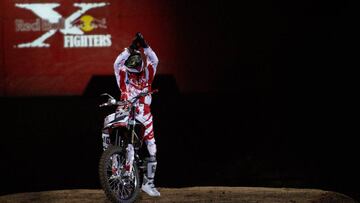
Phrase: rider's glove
(134,45)
(141,40)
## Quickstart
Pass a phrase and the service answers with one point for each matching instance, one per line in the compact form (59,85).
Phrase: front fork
(129,157)
(130,152)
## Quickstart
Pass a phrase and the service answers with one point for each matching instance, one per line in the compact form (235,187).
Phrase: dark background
(276,113)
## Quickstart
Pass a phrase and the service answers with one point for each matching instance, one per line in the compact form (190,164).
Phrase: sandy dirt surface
(190,194)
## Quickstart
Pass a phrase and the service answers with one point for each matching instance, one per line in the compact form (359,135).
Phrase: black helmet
(134,63)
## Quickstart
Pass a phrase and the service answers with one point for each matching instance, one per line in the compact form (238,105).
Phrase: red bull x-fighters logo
(75,27)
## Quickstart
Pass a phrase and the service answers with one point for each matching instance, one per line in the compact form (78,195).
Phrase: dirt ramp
(191,194)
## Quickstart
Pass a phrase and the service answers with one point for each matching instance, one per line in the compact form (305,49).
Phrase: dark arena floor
(190,194)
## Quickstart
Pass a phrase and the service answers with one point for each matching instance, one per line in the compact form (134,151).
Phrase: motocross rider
(133,76)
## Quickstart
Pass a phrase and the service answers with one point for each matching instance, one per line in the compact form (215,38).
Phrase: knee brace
(151,146)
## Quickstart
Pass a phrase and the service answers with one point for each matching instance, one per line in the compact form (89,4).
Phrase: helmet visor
(134,62)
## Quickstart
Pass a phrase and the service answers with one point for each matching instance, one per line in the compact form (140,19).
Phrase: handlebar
(112,102)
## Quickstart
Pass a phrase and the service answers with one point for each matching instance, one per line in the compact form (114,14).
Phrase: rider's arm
(152,62)
(120,72)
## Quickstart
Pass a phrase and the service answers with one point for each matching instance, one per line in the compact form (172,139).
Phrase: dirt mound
(190,194)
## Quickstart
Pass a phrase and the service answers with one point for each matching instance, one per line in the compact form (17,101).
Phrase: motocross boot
(148,180)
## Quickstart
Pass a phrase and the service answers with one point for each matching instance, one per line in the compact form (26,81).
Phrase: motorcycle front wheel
(118,185)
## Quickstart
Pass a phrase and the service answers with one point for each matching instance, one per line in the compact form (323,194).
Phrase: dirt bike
(118,184)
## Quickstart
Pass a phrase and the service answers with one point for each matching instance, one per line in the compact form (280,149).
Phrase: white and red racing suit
(132,84)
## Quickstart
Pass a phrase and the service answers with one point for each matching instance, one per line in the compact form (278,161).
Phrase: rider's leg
(148,180)
(151,161)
